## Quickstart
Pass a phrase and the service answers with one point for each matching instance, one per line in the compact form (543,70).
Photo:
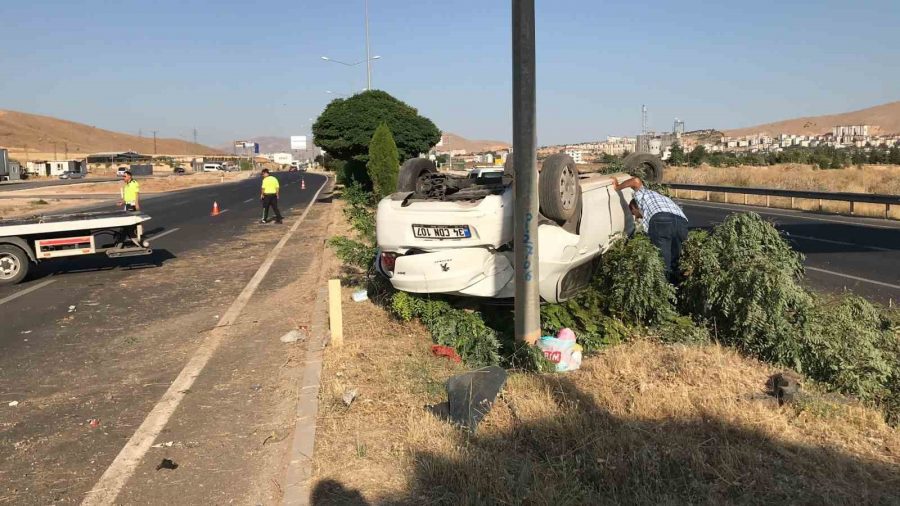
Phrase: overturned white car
(453,235)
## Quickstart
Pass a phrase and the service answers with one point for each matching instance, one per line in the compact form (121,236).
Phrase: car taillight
(388,261)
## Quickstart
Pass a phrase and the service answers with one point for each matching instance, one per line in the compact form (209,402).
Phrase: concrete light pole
(525,214)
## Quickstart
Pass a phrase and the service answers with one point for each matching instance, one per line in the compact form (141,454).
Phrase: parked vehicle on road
(179,170)
(213,167)
(454,235)
(27,241)
(120,172)
(72,175)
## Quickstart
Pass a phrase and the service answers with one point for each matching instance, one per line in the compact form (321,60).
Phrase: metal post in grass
(527,302)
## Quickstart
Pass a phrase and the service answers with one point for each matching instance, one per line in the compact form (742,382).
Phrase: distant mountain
(885,119)
(451,141)
(19,130)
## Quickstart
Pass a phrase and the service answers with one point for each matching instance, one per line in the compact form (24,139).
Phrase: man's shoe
(263,221)
(278,222)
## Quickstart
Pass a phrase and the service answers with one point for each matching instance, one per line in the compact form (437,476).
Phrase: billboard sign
(298,142)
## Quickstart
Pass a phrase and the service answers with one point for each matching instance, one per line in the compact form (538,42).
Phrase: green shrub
(361,215)
(384,162)
(465,331)
(681,329)
(851,348)
(632,283)
(744,279)
(352,252)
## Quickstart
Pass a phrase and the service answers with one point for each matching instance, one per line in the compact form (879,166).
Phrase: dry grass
(13,208)
(641,423)
(883,179)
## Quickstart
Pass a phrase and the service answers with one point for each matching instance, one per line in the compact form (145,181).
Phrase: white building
(281,158)
(576,154)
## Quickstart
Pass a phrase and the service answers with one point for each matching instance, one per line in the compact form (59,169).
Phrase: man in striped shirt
(665,222)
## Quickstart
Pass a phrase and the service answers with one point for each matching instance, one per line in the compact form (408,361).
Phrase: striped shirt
(652,203)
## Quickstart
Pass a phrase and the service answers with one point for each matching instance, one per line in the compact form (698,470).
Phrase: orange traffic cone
(302,184)
(215,211)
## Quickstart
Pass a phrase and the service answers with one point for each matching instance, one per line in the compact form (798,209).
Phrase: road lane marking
(848,276)
(249,200)
(122,468)
(163,234)
(765,210)
(223,211)
(26,291)
(842,243)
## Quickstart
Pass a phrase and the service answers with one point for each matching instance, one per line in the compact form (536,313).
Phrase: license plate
(441,231)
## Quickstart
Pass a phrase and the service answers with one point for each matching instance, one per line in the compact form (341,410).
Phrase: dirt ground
(148,185)
(15,208)
(640,423)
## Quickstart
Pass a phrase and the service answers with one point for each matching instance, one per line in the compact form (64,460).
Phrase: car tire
(411,171)
(645,166)
(558,188)
(14,264)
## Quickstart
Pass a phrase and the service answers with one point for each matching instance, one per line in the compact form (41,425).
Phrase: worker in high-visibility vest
(131,193)
(269,196)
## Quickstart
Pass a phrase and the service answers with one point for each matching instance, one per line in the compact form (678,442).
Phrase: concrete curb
(296,482)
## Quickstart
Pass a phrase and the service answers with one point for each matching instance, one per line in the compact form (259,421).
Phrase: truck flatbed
(29,240)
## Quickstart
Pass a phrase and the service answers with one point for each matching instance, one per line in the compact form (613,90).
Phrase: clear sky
(236,69)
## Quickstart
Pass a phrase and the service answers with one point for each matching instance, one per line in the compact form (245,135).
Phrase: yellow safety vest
(130,192)
(270,185)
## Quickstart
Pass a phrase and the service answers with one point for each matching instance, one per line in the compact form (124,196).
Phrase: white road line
(765,210)
(864,280)
(223,211)
(842,243)
(249,200)
(117,474)
(26,291)
(163,234)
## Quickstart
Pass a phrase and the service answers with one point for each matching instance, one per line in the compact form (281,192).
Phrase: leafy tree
(346,126)
(676,154)
(894,156)
(384,161)
(697,156)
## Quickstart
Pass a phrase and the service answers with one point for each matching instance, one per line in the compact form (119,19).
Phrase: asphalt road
(92,337)
(861,255)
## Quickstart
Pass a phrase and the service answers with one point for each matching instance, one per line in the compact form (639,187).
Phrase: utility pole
(54,152)
(195,136)
(67,151)
(527,293)
(368,57)
(154,142)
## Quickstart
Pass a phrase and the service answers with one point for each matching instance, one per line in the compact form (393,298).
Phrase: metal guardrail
(852,198)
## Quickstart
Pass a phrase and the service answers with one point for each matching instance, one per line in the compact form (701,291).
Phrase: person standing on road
(665,222)
(131,193)
(269,196)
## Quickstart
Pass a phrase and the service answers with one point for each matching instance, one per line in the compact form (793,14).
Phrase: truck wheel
(14,264)
(645,166)
(558,187)
(410,172)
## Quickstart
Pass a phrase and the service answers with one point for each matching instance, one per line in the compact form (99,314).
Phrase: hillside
(452,141)
(885,118)
(39,133)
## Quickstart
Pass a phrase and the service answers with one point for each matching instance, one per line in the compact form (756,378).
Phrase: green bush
(361,215)
(744,279)
(633,285)
(384,162)
(476,343)
(352,252)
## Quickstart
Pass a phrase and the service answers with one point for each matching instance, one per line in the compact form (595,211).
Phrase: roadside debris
(360,295)
(349,396)
(166,464)
(784,386)
(167,444)
(72,309)
(94,423)
(293,336)
(256,387)
(562,350)
(440,350)
(13,404)
(470,396)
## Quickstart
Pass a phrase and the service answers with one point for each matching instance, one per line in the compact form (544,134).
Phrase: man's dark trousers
(667,232)
(270,200)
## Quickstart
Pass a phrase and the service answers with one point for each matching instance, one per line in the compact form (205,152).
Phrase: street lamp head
(376,57)
(326,58)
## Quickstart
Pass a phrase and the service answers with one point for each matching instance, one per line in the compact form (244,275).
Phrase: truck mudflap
(467,271)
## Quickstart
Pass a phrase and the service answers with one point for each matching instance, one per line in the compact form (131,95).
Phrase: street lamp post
(368,57)
(367,61)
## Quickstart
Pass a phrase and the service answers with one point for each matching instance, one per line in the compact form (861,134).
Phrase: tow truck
(26,241)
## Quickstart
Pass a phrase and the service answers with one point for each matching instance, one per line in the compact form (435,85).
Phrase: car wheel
(410,172)
(14,264)
(645,166)
(559,188)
